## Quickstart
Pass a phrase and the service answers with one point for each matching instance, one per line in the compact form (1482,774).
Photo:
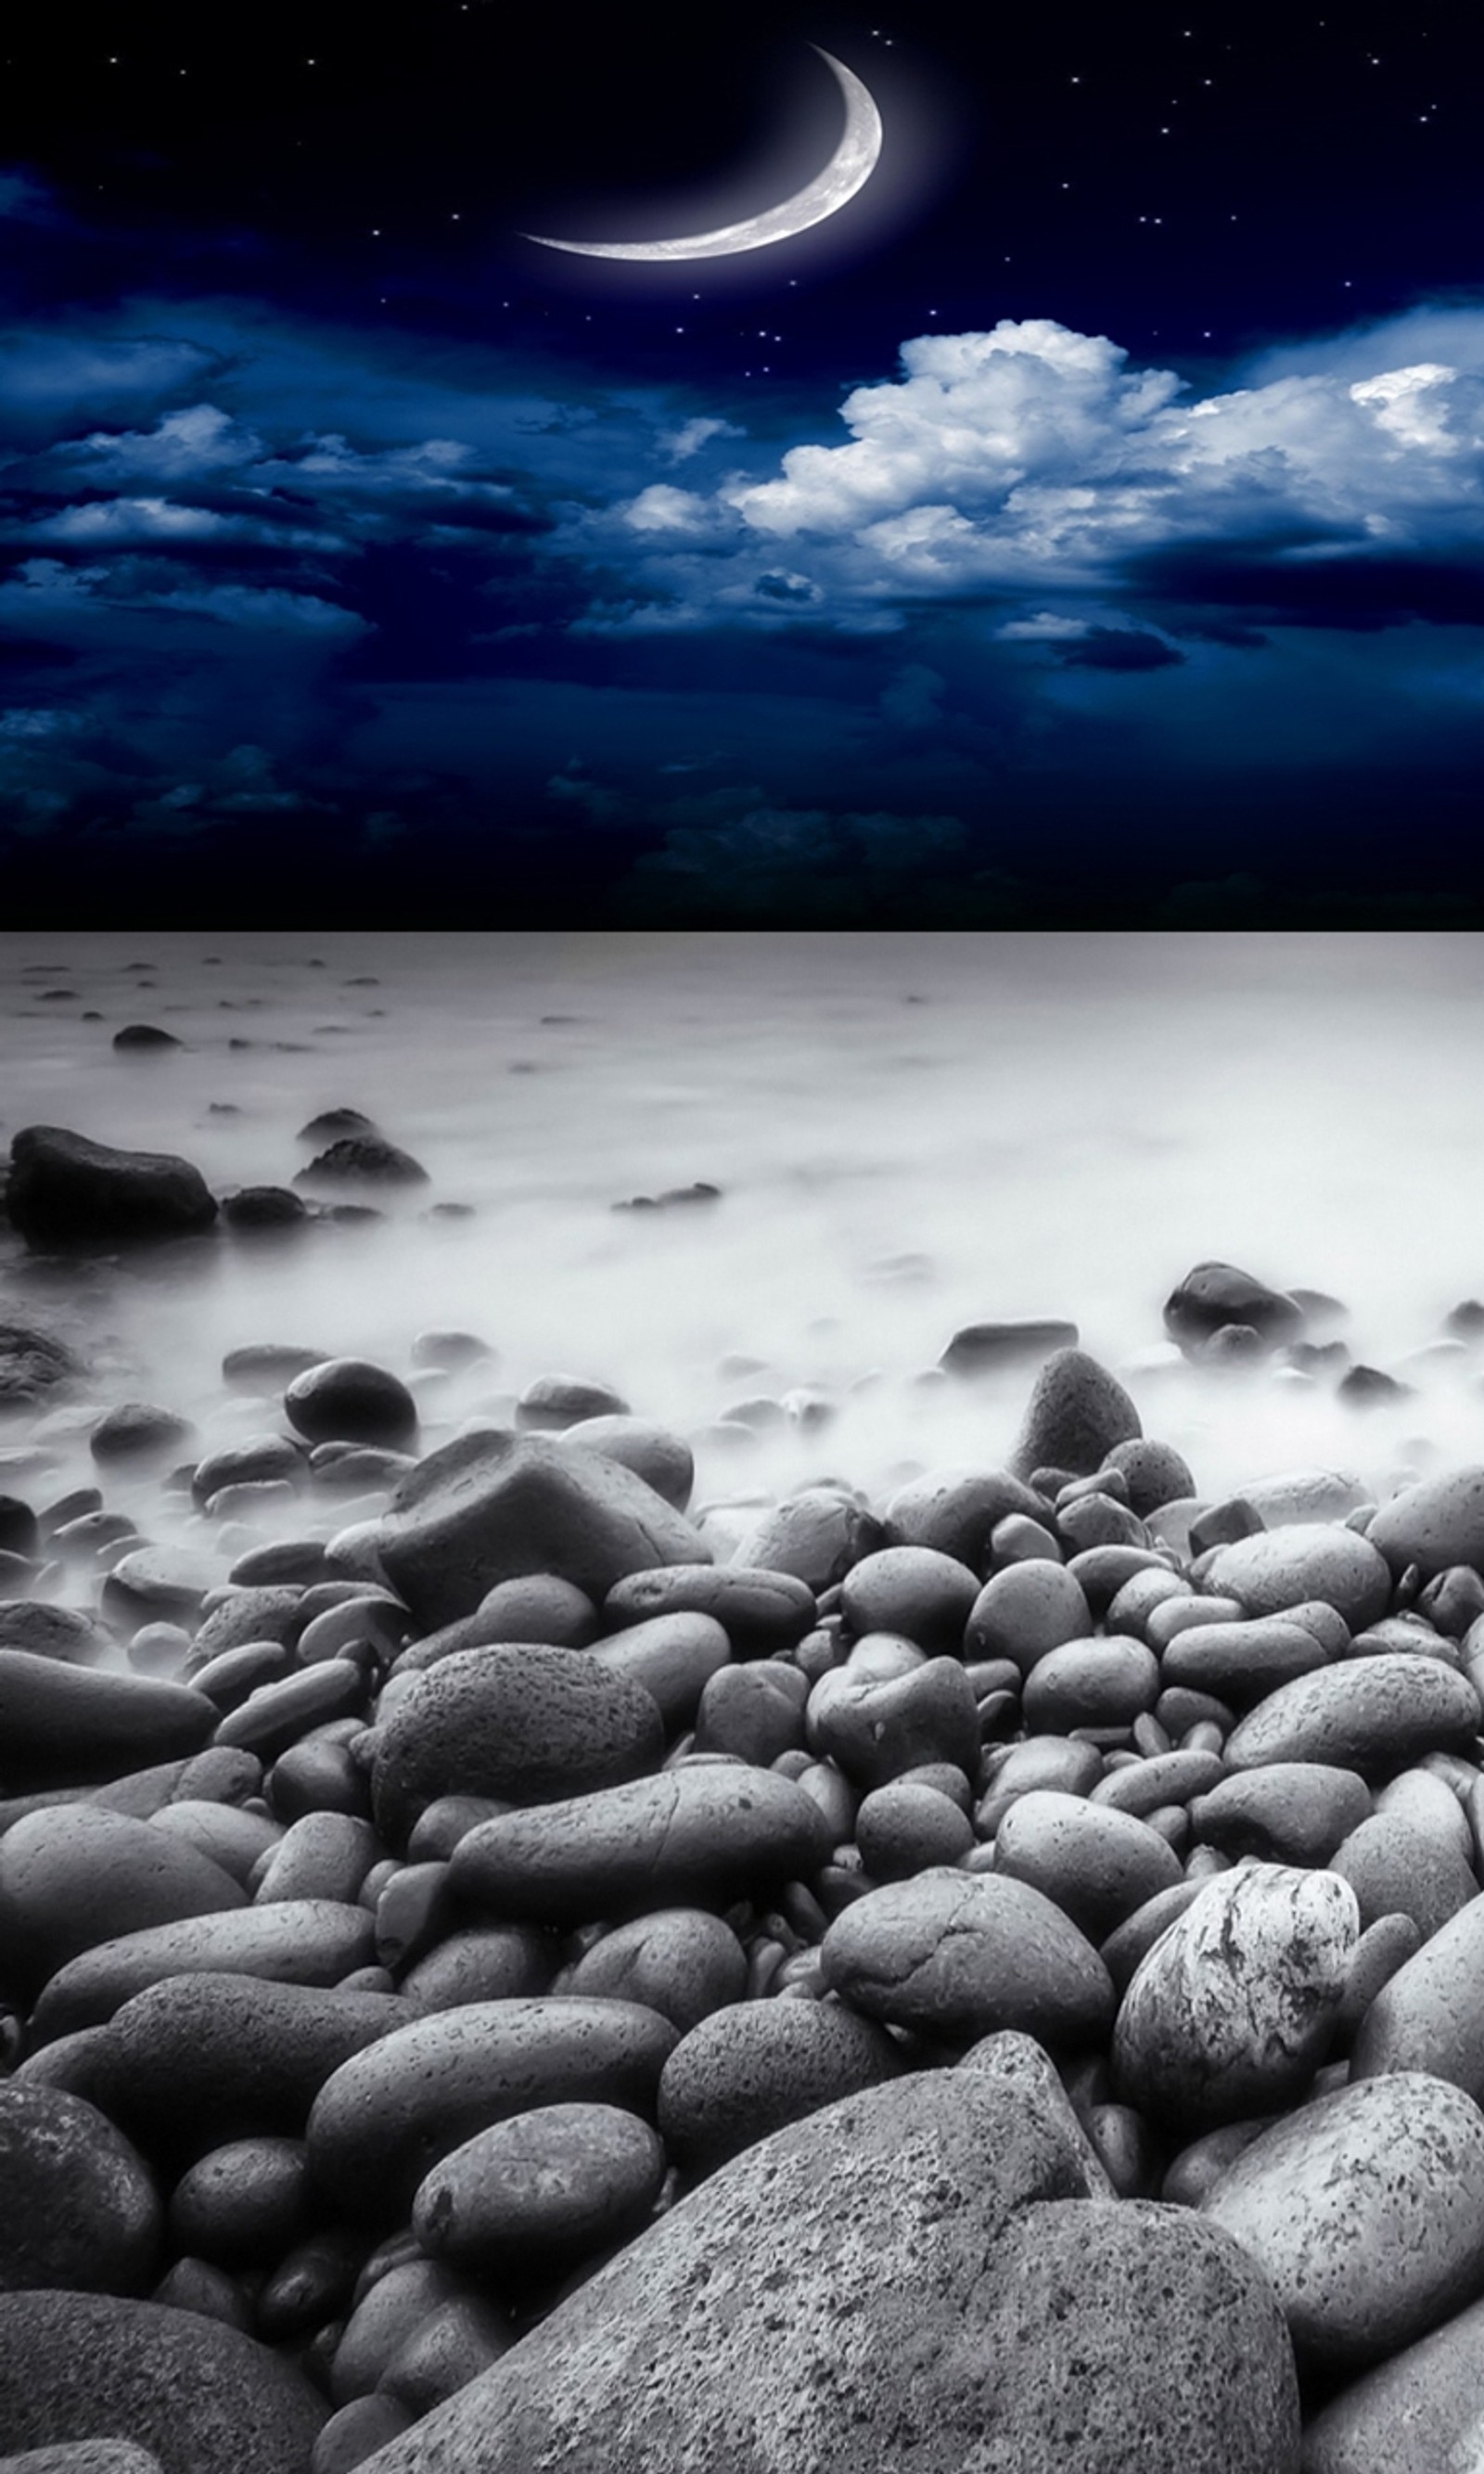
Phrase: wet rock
(1025,1610)
(726,2318)
(1216,1294)
(910,1590)
(299,1941)
(362,1158)
(1076,1413)
(679,1961)
(526,1725)
(75,1875)
(385,2118)
(706,1835)
(1155,1473)
(1307,1560)
(1230,2013)
(1436,1523)
(663,1460)
(1431,2015)
(1098,1865)
(63,1186)
(540,2191)
(78,2208)
(263,1206)
(1371,1715)
(1365,2209)
(955,1955)
(34,1365)
(1286,1812)
(760,1612)
(203,2398)
(144,1036)
(348,1400)
(956,1511)
(74,1724)
(140,1432)
(996,1347)
(1417,2413)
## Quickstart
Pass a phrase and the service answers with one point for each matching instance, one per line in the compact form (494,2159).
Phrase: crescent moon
(847,170)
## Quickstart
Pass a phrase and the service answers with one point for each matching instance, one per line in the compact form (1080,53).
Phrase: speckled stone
(750,2069)
(1230,2012)
(78,2207)
(1371,1715)
(1281,1568)
(681,1961)
(75,1875)
(1365,2210)
(1431,2015)
(205,2399)
(957,1955)
(1076,1413)
(878,2287)
(1097,1864)
(1421,2412)
(300,1941)
(1438,1522)
(541,2191)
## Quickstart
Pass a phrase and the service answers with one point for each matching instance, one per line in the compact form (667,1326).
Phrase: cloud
(1120,648)
(678,444)
(802,863)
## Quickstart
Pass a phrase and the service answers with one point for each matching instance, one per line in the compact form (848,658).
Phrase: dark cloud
(1119,648)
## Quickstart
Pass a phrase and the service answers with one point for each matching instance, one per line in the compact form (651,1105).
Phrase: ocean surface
(909,1132)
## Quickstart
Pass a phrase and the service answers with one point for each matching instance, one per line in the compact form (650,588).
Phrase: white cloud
(1031,459)
(1042,628)
(200,438)
(692,435)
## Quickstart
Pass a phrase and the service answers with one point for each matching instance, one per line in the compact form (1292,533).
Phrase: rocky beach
(741,1707)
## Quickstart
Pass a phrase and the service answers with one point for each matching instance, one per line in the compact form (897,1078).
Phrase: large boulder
(491,1507)
(203,2398)
(63,1185)
(913,2277)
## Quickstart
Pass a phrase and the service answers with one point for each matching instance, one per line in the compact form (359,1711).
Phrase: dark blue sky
(1084,525)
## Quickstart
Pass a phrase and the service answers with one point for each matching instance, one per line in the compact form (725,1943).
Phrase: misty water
(909,1132)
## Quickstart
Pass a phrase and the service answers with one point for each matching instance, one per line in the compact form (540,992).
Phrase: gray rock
(360,1159)
(1286,1812)
(525,1724)
(664,1460)
(1096,1864)
(554,1402)
(758,1610)
(492,1507)
(1418,2413)
(63,1186)
(205,2399)
(880,2286)
(1396,1867)
(53,1632)
(1214,1295)
(1241,1663)
(1155,1473)
(680,1961)
(79,1726)
(1431,2015)
(1076,1413)
(540,2191)
(1371,1715)
(956,1511)
(994,1347)
(1434,1524)
(34,1365)
(705,1835)
(817,1535)
(349,1399)
(83,2457)
(78,2208)
(751,2069)
(1283,1568)
(300,1941)
(955,1955)
(77,1875)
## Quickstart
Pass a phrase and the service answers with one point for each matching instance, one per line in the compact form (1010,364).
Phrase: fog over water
(910,1132)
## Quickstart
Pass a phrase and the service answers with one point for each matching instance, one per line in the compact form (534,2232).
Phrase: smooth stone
(1278,1569)
(274,1716)
(299,1941)
(242,2205)
(63,1186)
(356,2431)
(1162,1779)
(454,2343)
(1366,2211)
(139,1433)
(703,1835)
(664,1460)
(492,1507)
(1038,1761)
(1103,1573)
(553,1403)
(1076,1413)
(756,2066)
(386,2117)
(271,1610)
(321,1856)
(1131,1941)
(1434,1524)
(816,1535)
(540,2191)
(350,1399)
(46,1631)
(358,1156)
(203,2398)
(1105,1682)
(79,1726)
(1420,2413)
(538,1607)
(911,1590)
(1305,1495)
(956,1511)
(673,1657)
(78,2207)
(760,1612)
(196,2061)
(1213,1294)
(1382,1949)
(156,1585)
(78,1875)
(1287,1812)
(906,1827)
(487,1963)
(679,1961)
(1241,1663)
(1199,2167)
(997,1347)
(956,1955)
(989,2331)
(525,1724)
(753,1713)
(1230,2012)
(1395,1866)
(1096,1864)
(83,2457)
(1153,1473)
(1372,1714)
(1025,1611)
(387,2308)
(873,1730)
(1431,2015)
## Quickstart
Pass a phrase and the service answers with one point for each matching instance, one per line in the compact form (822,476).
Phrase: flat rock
(1366,2211)
(390,2114)
(1230,2013)
(1371,1715)
(202,2397)
(491,1507)
(908,2277)
(78,2208)
(998,1347)
(525,1724)
(1281,1568)
(705,1835)
(956,1955)
(63,1186)
(1076,1413)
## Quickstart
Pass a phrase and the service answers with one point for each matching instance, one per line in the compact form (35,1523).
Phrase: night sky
(1084,525)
